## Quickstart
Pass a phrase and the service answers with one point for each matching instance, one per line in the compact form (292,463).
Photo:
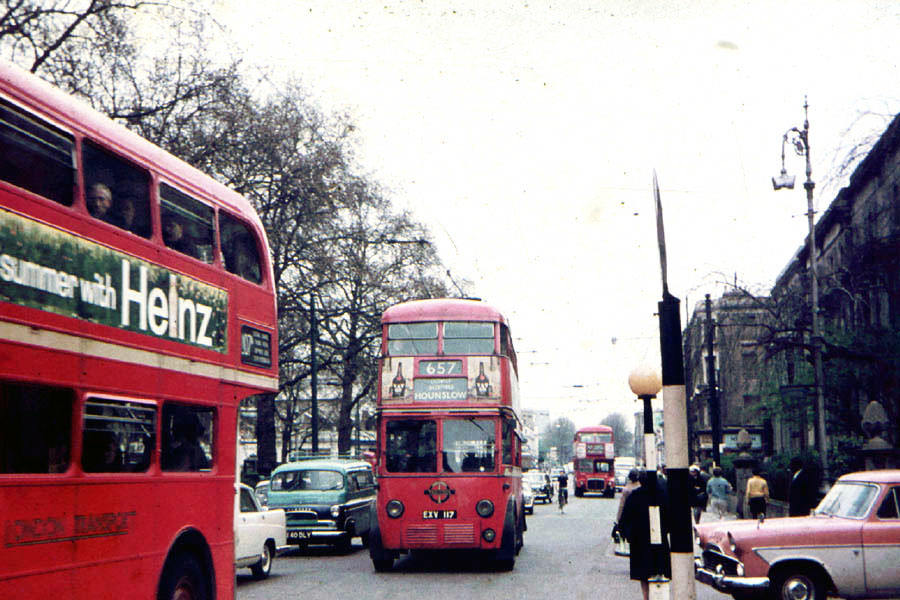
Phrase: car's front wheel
(262,569)
(799,583)
(344,544)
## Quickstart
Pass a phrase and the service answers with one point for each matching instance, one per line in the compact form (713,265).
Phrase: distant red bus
(127,350)
(449,445)
(594,456)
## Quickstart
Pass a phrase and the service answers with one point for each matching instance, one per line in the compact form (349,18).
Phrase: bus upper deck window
(35,156)
(187,224)
(35,428)
(116,191)
(239,248)
(468,338)
(412,339)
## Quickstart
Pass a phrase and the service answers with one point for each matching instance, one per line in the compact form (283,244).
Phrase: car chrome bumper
(729,583)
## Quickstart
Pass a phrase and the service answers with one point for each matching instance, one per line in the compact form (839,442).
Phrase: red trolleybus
(594,456)
(449,451)
(137,310)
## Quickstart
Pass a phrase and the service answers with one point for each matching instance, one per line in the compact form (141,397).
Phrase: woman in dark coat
(645,561)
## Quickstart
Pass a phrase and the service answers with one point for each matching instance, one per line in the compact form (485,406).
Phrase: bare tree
(623,437)
(560,434)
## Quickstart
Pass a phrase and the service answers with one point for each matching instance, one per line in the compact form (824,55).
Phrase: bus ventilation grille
(421,534)
(462,533)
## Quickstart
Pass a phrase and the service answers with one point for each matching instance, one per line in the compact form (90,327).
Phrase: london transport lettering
(26,532)
(45,268)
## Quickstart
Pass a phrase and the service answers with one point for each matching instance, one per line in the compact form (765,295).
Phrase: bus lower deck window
(119,436)
(187,438)
(35,428)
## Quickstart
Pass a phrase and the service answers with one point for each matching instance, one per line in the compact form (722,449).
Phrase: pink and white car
(849,546)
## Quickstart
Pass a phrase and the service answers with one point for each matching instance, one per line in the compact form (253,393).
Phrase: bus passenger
(99,202)
(126,212)
(184,452)
(175,236)
(101,452)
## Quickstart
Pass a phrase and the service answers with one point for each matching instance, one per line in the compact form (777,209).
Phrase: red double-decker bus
(594,456)
(137,310)
(449,447)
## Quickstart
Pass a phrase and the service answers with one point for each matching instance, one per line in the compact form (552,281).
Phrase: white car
(527,500)
(258,533)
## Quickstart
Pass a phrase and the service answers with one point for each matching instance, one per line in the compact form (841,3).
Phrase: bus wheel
(505,558)
(520,534)
(183,579)
(382,560)
(383,564)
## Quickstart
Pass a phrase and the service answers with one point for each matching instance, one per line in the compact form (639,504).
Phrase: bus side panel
(35,532)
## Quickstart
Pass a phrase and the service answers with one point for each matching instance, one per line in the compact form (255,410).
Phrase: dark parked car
(326,500)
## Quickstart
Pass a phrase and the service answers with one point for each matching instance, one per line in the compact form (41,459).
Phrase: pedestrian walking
(617,534)
(646,560)
(757,494)
(719,490)
(801,492)
(697,480)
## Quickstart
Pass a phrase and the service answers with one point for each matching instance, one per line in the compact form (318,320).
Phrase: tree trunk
(265,434)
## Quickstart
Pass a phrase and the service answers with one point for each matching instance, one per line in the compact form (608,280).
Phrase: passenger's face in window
(99,199)
(172,230)
(127,212)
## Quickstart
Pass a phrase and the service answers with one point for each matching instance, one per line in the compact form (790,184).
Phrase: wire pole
(675,428)
(715,416)
(313,372)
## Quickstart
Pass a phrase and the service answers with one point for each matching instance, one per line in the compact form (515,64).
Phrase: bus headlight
(336,511)
(394,509)
(485,508)
(488,535)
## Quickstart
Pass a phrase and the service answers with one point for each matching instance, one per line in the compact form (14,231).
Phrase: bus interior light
(488,535)
(394,509)
(485,508)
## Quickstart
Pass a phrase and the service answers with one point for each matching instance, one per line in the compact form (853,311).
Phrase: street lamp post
(800,140)
(646,383)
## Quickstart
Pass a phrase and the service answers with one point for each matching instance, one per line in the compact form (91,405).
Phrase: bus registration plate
(438,514)
(297,535)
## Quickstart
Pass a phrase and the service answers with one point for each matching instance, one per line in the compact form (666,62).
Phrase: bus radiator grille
(460,533)
(595,484)
(421,534)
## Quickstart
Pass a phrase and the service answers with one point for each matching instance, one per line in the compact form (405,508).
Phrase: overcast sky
(525,134)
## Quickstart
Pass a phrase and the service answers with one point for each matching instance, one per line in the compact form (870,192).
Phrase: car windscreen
(848,499)
(306,479)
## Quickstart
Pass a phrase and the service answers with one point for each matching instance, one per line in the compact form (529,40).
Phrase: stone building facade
(737,319)
(763,344)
